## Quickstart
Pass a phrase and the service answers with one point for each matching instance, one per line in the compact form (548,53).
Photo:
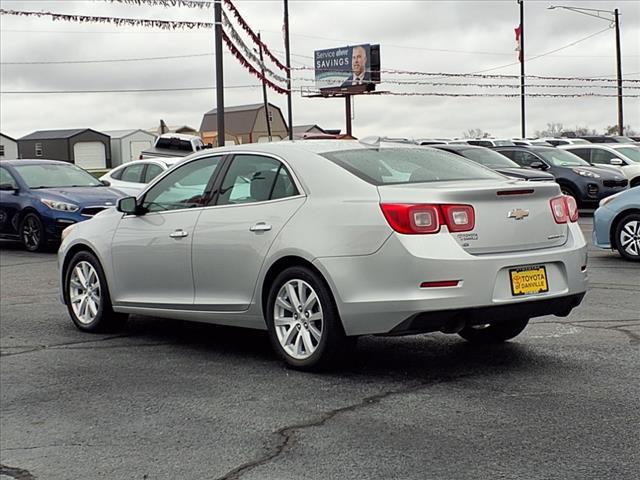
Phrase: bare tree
(475,133)
(554,129)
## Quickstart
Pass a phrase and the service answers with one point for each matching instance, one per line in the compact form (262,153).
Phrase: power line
(124,90)
(109,60)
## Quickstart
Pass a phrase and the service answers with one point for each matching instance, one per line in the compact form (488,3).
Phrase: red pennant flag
(518,48)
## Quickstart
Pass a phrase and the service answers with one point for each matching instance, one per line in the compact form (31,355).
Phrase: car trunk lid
(510,215)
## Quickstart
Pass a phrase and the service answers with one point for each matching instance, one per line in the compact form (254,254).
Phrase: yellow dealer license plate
(528,280)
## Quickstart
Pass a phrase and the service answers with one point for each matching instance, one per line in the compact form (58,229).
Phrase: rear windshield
(174,144)
(389,166)
(561,158)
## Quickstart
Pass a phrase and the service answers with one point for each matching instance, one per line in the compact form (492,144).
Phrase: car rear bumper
(380,293)
(602,219)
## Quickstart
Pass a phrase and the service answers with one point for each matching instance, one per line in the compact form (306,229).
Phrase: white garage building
(126,145)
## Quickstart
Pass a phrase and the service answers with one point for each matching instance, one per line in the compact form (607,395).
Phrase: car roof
(34,161)
(531,148)
(458,146)
(311,146)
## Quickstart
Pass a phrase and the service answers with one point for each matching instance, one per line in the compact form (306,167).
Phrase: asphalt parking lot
(172,400)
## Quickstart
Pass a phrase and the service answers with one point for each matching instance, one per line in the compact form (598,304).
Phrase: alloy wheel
(84,292)
(31,233)
(630,238)
(298,319)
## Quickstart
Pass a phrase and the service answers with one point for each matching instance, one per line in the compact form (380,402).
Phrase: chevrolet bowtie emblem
(518,214)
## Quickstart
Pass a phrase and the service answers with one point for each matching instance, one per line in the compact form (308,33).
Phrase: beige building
(245,124)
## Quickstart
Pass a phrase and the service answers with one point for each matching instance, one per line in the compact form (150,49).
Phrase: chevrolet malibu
(319,242)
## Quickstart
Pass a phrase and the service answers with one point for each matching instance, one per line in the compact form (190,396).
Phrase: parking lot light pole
(613,18)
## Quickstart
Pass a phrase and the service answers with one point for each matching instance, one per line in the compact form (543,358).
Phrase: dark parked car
(495,161)
(40,198)
(577,178)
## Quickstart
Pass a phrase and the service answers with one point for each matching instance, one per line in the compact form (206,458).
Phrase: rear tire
(494,333)
(303,321)
(627,237)
(32,233)
(87,296)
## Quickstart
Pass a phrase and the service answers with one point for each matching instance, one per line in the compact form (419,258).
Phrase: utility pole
(613,17)
(264,89)
(523,132)
(619,72)
(217,8)
(288,60)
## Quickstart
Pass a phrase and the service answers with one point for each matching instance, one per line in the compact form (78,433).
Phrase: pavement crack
(285,437)
(37,348)
(634,338)
(16,473)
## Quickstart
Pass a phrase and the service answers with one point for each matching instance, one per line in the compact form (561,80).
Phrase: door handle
(178,234)
(260,227)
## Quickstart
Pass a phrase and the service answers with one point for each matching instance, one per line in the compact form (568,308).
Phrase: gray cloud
(475,26)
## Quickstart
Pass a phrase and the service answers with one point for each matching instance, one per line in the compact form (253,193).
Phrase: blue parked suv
(40,198)
(577,178)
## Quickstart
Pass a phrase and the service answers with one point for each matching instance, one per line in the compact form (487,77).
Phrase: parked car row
(319,242)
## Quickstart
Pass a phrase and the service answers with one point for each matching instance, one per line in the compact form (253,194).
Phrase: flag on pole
(518,48)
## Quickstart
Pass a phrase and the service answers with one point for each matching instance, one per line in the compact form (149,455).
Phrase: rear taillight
(572,208)
(414,219)
(564,209)
(459,218)
(411,218)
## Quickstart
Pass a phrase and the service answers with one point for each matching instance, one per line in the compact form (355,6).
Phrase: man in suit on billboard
(359,74)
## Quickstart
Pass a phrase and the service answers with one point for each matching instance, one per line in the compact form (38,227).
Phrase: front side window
(55,175)
(185,187)
(562,158)
(632,153)
(254,178)
(7,178)
(488,158)
(522,158)
(388,166)
(132,173)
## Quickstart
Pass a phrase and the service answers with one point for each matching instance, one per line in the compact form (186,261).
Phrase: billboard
(347,67)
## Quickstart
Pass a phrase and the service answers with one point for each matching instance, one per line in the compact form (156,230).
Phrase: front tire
(303,322)
(87,296)
(494,333)
(32,234)
(627,237)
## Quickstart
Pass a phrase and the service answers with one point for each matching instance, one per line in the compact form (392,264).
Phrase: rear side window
(388,166)
(152,172)
(132,173)
(254,178)
(583,153)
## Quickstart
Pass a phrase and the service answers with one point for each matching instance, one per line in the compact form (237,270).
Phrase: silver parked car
(132,177)
(319,242)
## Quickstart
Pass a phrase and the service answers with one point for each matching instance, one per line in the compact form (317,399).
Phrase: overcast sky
(477,35)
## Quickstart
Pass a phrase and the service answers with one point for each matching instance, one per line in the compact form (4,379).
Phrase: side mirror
(106,183)
(7,187)
(616,161)
(128,205)
(538,165)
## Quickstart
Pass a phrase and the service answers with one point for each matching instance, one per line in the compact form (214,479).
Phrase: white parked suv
(132,177)
(621,156)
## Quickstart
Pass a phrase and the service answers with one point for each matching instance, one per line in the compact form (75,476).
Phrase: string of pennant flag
(246,55)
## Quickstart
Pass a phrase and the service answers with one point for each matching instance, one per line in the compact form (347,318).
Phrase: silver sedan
(320,242)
